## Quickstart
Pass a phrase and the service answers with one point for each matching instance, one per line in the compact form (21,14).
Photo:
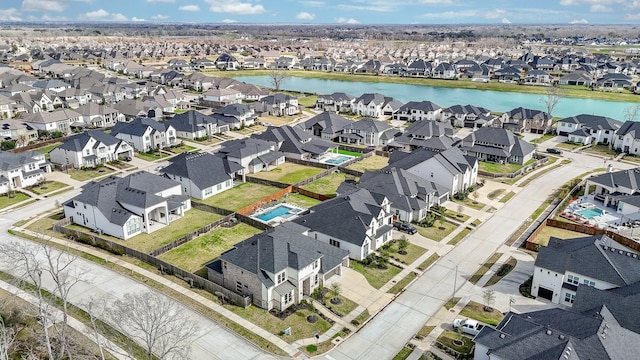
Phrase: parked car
(554,151)
(127,158)
(408,228)
(468,326)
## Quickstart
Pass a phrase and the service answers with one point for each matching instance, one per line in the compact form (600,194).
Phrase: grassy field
(374,162)
(48,187)
(375,276)
(435,232)
(193,255)
(308,101)
(470,203)
(192,220)
(548,232)
(327,185)
(240,196)
(6,201)
(89,174)
(288,173)
(276,120)
(300,327)
(501,168)
(344,308)
(579,92)
(484,268)
(447,339)
(475,311)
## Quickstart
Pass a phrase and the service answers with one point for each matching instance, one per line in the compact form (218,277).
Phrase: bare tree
(91,308)
(489,297)
(278,76)
(7,333)
(631,113)
(156,322)
(552,98)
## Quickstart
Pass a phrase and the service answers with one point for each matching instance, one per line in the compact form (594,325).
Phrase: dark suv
(408,228)
(554,151)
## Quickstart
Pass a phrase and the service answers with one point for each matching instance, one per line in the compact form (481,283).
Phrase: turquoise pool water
(590,213)
(339,160)
(278,211)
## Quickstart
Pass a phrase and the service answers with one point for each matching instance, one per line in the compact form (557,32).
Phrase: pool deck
(277,220)
(609,218)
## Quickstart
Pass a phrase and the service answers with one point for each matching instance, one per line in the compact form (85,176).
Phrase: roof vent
(549,332)
(628,254)
(605,247)
(561,337)
(635,256)
(620,252)
(612,249)
(502,336)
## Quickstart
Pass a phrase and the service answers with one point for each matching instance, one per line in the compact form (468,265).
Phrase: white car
(468,326)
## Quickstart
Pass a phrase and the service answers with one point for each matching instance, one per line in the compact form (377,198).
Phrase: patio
(591,211)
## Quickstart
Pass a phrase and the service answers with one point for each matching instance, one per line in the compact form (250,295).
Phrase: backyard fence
(166,268)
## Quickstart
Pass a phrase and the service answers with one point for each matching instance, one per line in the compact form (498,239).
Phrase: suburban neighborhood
(301,224)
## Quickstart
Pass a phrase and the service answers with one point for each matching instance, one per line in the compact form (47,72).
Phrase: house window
(227,183)
(219,187)
(316,278)
(316,264)
(335,243)
(208,191)
(568,298)
(573,279)
(281,277)
(287,298)
(133,227)
(589,283)
(238,286)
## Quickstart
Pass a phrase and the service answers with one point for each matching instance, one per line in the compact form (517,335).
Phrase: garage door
(545,293)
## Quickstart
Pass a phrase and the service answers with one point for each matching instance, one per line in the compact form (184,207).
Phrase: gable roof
(453,159)
(629,178)
(595,122)
(191,121)
(78,142)
(138,127)
(10,161)
(203,169)
(425,106)
(630,127)
(295,140)
(330,122)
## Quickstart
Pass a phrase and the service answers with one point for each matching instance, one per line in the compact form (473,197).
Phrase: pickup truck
(468,326)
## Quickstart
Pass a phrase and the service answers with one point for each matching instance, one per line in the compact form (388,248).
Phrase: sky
(327,11)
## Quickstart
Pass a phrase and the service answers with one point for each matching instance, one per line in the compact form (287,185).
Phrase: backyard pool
(338,160)
(279,212)
(590,213)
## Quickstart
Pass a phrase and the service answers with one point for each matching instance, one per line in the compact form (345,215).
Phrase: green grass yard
(327,185)
(6,201)
(476,311)
(90,174)
(288,173)
(375,276)
(48,187)
(374,162)
(437,232)
(240,196)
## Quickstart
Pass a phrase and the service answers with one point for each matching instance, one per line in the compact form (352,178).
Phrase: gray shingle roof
(203,169)
(630,127)
(78,142)
(625,178)
(138,127)
(10,161)
(593,122)
(329,122)
(295,140)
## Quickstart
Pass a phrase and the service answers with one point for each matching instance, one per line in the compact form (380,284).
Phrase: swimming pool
(338,160)
(279,211)
(590,213)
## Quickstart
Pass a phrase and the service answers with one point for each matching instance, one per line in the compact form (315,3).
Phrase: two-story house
(146,134)
(244,114)
(611,186)
(296,143)
(375,105)
(337,102)
(587,129)
(94,115)
(278,105)
(417,111)
(326,125)
(21,170)
(466,116)
(627,138)
(367,132)
(428,134)
(221,97)
(520,120)
(254,155)
(193,124)
(89,149)
(497,145)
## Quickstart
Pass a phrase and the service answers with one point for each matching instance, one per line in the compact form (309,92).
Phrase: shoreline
(571,91)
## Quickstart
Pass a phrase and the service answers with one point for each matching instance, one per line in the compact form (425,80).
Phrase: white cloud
(313,3)
(162,1)
(579,21)
(305,16)
(118,17)
(506,21)
(495,14)
(600,8)
(189,8)
(43,5)
(137,19)
(10,14)
(96,15)
(342,20)
(47,17)
(235,7)
(635,4)
(634,17)
(229,21)
(373,5)
(436,2)
(159,17)
(591,2)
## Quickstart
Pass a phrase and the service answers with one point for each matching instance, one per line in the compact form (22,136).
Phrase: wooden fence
(192,235)
(166,268)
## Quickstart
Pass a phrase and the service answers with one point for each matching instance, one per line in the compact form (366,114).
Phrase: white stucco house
(89,149)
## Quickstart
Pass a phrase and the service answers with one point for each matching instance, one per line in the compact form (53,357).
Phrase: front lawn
(191,221)
(452,340)
(15,198)
(345,307)
(476,311)
(289,173)
(496,168)
(240,196)
(327,185)
(602,150)
(374,162)
(543,138)
(182,148)
(89,173)
(375,276)
(470,203)
(300,327)
(438,231)
(157,155)
(413,252)
(193,255)
(48,187)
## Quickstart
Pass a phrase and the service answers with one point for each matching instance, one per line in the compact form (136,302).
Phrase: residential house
(566,264)
(450,168)
(521,120)
(100,116)
(558,334)
(52,121)
(193,125)
(250,92)
(586,129)
(18,130)
(21,170)
(444,71)
(51,85)
(375,105)
(428,134)
(611,186)
(411,196)
(576,78)
(132,109)
(627,138)
(359,222)
(614,82)
(326,125)
(497,145)
(179,65)
(202,175)
(509,74)
(128,206)
(254,155)
(89,149)
(368,132)
(36,102)
(146,134)
(538,77)
(221,97)
(203,64)
(244,115)
(198,81)
(278,267)
(227,62)
(417,111)
(254,63)
(278,105)
(419,68)
(337,102)
(296,143)
(467,116)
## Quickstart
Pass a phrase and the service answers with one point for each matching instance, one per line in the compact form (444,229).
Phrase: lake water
(492,100)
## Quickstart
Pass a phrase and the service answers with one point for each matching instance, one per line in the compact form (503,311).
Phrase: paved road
(213,341)
(392,328)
